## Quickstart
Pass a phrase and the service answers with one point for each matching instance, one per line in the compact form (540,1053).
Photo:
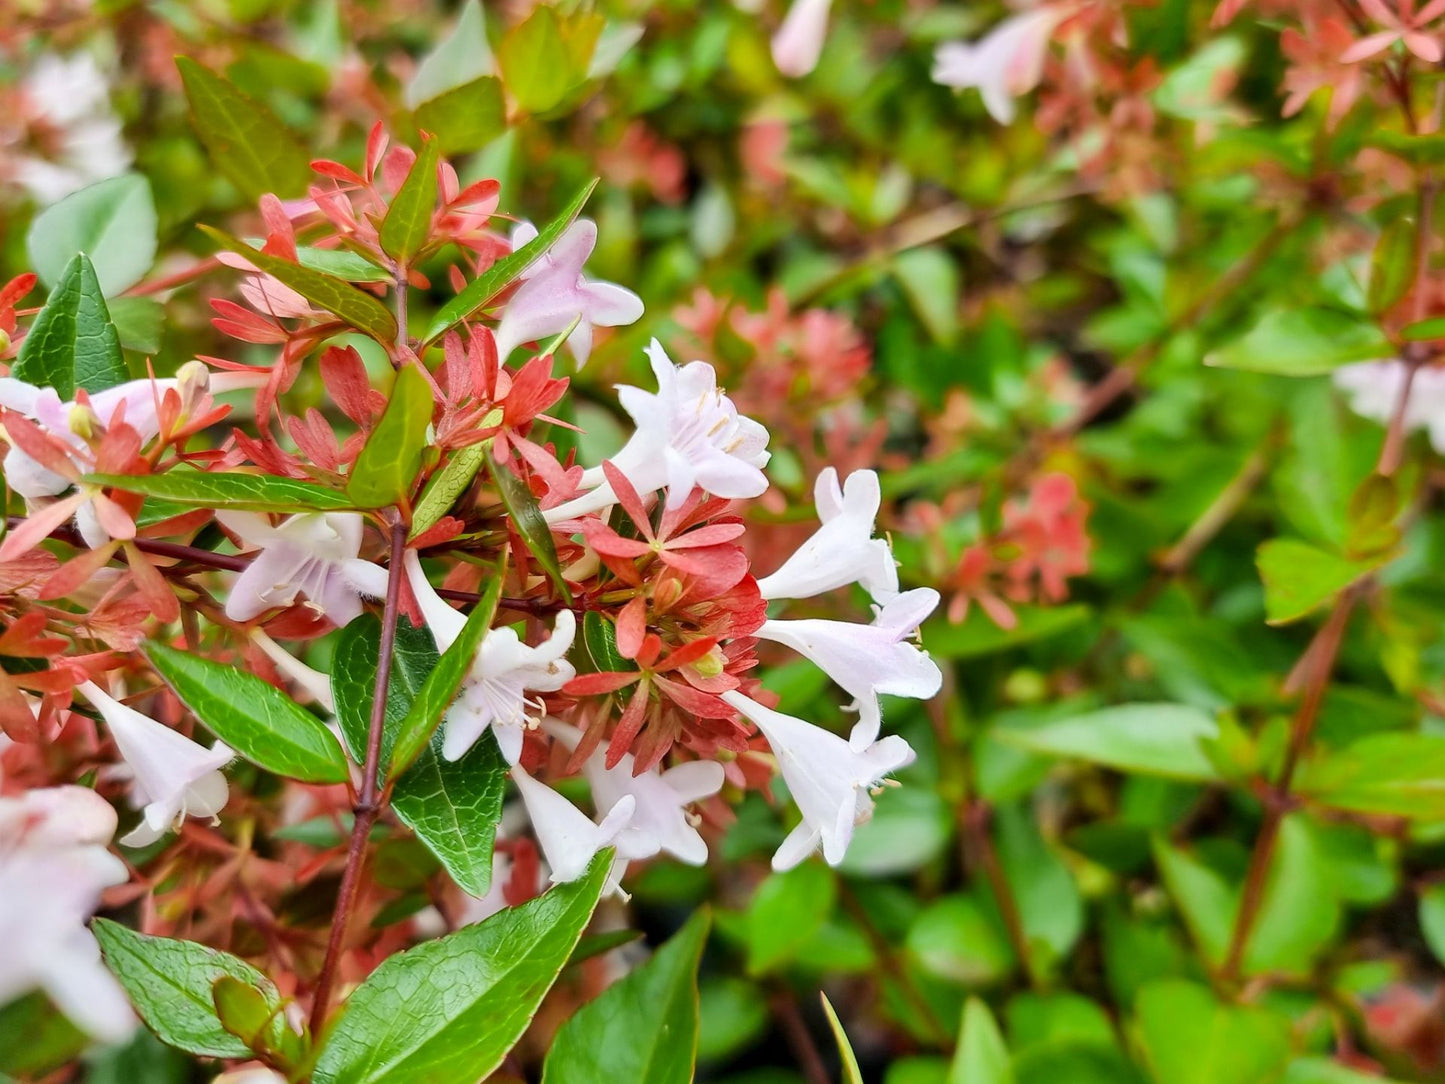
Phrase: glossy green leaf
(642,1029)
(1303,342)
(407,224)
(357,308)
(170,984)
(450,1009)
(452,806)
(113,222)
(446,485)
(491,282)
(600,636)
(978,635)
(246,140)
(1419,149)
(1424,330)
(851,1073)
(1191,1038)
(465,118)
(1392,267)
(787,909)
(1326,1071)
(528,522)
(243,1010)
(1399,775)
(1432,918)
(257,720)
(140,322)
(981,1056)
(230,489)
(389,462)
(1300,578)
(461,57)
(958,940)
(36,1038)
(535,63)
(72,343)
(445,680)
(1155,739)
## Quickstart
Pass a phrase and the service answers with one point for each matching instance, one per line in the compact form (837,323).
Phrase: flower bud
(82,421)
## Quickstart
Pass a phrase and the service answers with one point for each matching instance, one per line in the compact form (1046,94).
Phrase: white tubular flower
(660,820)
(829,781)
(843,550)
(70,97)
(312,681)
(1004,64)
(568,840)
(554,294)
(799,41)
(312,554)
(494,693)
(54,866)
(174,776)
(688,433)
(868,660)
(1373,389)
(255,1074)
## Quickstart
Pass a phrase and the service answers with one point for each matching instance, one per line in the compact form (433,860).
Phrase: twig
(367,805)
(973,822)
(884,951)
(800,1039)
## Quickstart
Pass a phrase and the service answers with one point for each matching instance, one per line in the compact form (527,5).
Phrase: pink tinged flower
(799,41)
(830,782)
(313,682)
(843,550)
(688,434)
(554,295)
(494,693)
(1405,25)
(567,838)
(1373,389)
(313,555)
(69,97)
(868,660)
(1006,63)
(174,776)
(255,1074)
(54,866)
(660,821)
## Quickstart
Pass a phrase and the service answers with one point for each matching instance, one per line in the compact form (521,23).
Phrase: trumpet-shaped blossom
(312,681)
(1004,64)
(799,41)
(1374,387)
(843,550)
(66,101)
(554,295)
(312,554)
(494,693)
(174,776)
(829,780)
(54,866)
(868,660)
(688,433)
(660,820)
(568,839)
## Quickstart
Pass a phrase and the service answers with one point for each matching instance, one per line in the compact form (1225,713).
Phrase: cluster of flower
(650,544)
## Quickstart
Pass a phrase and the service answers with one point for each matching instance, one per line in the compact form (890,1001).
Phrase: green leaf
(491,282)
(1325,1071)
(72,343)
(981,1057)
(1392,267)
(1300,578)
(36,1038)
(642,1029)
(851,1073)
(245,139)
(930,279)
(787,910)
(440,689)
(1399,775)
(446,485)
(407,224)
(1048,898)
(465,118)
(461,57)
(257,720)
(977,635)
(243,1010)
(600,636)
(1425,330)
(170,983)
(535,63)
(528,522)
(230,489)
(1432,918)
(1154,739)
(1420,150)
(450,1009)
(1190,1038)
(112,222)
(1303,342)
(140,322)
(391,458)
(452,806)
(956,939)
(336,296)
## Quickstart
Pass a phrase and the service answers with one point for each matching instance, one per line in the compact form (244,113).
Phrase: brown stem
(800,1039)
(973,821)
(1319,658)
(367,805)
(889,959)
